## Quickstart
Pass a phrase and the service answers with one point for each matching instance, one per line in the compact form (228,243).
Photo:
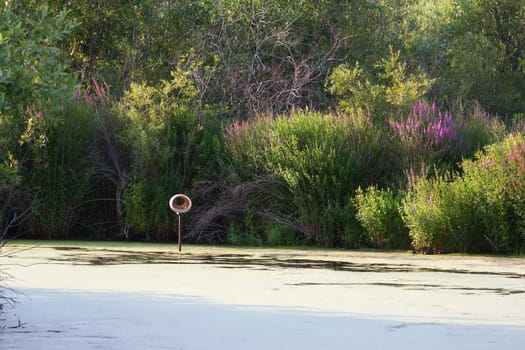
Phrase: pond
(121,296)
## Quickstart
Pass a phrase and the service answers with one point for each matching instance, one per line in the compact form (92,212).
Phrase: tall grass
(62,173)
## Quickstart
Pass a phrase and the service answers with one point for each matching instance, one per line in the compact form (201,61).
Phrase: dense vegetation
(386,123)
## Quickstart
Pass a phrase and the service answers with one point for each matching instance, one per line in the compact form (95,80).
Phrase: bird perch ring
(180,203)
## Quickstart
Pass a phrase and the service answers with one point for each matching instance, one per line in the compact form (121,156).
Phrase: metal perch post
(180,204)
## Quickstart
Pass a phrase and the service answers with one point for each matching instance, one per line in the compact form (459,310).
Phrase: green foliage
(8,173)
(474,48)
(496,53)
(136,203)
(252,231)
(170,145)
(480,210)
(10,179)
(34,87)
(322,159)
(63,172)
(423,215)
(157,133)
(388,92)
(378,213)
(496,177)
(33,81)
(278,235)
(237,237)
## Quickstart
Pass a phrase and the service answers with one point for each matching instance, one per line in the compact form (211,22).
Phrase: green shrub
(236,236)
(497,177)
(278,234)
(135,203)
(479,210)
(353,234)
(274,235)
(422,214)
(378,213)
(322,159)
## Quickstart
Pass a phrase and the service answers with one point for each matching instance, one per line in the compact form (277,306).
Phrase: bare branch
(223,203)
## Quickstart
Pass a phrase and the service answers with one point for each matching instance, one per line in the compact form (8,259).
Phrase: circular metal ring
(180,203)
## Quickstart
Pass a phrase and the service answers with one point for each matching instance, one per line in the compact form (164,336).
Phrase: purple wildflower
(427,129)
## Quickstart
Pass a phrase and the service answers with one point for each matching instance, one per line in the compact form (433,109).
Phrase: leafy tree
(33,86)
(386,94)
(97,45)
(275,55)
(266,55)
(123,41)
(33,81)
(475,49)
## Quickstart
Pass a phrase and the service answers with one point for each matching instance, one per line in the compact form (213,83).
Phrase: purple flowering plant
(429,135)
